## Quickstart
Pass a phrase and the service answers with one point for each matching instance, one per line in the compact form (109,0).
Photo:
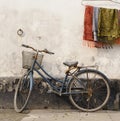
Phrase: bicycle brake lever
(48,52)
(51,53)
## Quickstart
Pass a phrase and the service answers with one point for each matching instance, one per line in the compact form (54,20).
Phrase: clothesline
(114,1)
(113,4)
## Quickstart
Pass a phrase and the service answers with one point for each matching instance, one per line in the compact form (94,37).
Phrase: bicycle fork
(31,80)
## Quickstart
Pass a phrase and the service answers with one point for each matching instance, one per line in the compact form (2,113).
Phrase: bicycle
(88,89)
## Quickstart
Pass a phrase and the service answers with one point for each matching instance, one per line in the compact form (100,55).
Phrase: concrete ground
(58,115)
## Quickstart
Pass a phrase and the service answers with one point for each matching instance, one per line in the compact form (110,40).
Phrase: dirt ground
(58,115)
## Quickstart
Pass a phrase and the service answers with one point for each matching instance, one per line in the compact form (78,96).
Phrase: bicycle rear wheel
(89,90)
(22,92)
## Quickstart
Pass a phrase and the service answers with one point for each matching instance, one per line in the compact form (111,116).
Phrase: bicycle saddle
(70,64)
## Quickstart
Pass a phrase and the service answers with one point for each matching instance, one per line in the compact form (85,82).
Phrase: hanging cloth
(95,23)
(118,39)
(88,35)
(108,26)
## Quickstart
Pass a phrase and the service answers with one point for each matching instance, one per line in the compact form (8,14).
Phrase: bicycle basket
(28,59)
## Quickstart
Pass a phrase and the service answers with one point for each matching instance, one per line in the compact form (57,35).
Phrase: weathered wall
(53,24)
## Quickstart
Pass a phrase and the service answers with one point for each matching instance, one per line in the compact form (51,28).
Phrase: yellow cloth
(108,26)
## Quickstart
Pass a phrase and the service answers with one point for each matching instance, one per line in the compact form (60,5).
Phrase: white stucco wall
(53,24)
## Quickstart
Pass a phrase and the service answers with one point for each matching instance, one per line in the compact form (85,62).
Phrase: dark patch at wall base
(50,101)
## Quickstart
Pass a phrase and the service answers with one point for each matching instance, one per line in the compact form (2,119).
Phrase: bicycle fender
(31,80)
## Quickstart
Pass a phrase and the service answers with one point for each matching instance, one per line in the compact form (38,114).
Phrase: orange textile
(88,19)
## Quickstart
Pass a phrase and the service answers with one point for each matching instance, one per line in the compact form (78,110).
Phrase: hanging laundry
(88,23)
(108,27)
(117,41)
(101,27)
(95,23)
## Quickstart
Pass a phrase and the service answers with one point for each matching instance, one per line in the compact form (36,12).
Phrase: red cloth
(88,22)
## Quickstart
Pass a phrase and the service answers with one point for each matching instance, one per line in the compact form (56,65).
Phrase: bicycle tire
(93,92)
(24,87)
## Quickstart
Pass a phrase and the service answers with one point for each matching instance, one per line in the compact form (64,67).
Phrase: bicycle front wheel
(89,90)
(22,92)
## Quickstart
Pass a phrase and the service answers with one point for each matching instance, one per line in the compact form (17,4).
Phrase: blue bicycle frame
(56,89)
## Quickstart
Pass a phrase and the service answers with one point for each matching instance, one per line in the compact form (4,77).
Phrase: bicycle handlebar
(45,50)
(25,46)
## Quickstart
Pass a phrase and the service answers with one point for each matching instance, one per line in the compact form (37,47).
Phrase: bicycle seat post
(70,68)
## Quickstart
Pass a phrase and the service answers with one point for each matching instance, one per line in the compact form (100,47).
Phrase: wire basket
(28,59)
